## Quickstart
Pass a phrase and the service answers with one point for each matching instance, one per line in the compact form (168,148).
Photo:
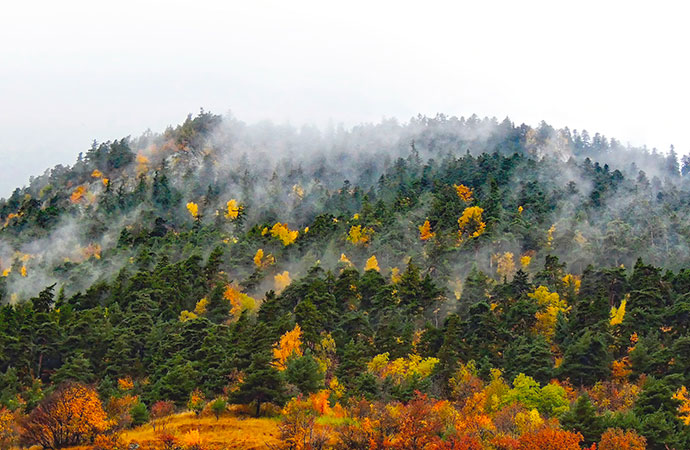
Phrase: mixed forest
(446,283)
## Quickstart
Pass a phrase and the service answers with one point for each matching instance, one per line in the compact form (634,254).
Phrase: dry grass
(228,432)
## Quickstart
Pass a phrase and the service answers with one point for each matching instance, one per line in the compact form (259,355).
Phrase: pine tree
(263,383)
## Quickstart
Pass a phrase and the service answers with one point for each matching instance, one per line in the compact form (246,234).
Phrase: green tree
(263,383)
(582,417)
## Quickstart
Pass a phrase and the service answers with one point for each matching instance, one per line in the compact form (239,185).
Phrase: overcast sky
(75,71)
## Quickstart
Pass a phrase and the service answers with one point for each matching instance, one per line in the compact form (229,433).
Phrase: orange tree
(71,415)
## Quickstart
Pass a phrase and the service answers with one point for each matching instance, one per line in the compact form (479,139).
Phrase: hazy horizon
(75,72)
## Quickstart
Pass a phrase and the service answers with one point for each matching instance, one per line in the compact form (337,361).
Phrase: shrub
(71,415)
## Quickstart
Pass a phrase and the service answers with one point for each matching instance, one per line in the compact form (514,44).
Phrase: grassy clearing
(228,432)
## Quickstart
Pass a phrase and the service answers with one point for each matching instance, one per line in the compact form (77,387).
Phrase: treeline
(468,248)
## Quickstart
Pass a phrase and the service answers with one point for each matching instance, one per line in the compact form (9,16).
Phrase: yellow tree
(239,301)
(289,344)
(344,259)
(142,164)
(193,209)
(425,232)
(372,264)
(7,428)
(282,232)
(463,192)
(281,281)
(550,304)
(262,261)
(358,235)
(684,408)
(618,314)
(549,236)
(78,194)
(232,209)
(258,257)
(200,307)
(470,223)
(505,265)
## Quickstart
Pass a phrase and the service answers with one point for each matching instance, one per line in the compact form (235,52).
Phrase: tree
(304,372)
(71,415)
(218,406)
(550,439)
(8,432)
(76,368)
(263,383)
(196,401)
(586,360)
(289,344)
(139,413)
(582,417)
(617,439)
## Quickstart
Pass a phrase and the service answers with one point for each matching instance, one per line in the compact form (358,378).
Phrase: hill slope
(396,254)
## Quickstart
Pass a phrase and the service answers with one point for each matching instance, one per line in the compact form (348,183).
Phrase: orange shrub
(617,439)
(549,438)
(71,415)
(108,442)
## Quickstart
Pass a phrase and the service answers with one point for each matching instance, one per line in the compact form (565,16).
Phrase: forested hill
(178,260)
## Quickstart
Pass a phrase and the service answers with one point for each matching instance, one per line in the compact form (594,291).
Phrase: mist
(90,71)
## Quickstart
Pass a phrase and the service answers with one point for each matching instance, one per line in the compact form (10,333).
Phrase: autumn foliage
(548,438)
(285,234)
(617,439)
(71,415)
(425,232)
(470,223)
(290,344)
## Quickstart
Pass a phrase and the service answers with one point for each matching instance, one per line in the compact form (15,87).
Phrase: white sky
(74,71)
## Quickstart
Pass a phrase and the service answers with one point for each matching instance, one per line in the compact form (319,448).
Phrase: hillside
(510,283)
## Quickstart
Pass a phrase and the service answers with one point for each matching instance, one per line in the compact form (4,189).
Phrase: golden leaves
(549,236)
(372,264)
(401,369)
(618,314)
(470,223)
(550,304)
(463,192)
(125,384)
(232,209)
(298,191)
(77,194)
(505,266)
(359,236)
(200,307)
(91,251)
(684,408)
(193,209)
(425,232)
(142,164)
(289,344)
(258,257)
(282,232)
(239,301)
(281,281)
(187,315)
(261,260)
(572,282)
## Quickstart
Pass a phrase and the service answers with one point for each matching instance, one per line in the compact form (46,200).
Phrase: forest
(445,283)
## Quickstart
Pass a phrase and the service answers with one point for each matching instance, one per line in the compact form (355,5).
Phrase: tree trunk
(258,407)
